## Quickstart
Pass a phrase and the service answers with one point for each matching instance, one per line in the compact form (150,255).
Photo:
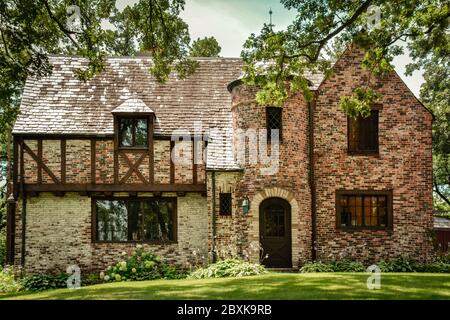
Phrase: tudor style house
(93,173)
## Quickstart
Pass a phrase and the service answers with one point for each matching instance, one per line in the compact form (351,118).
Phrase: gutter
(312,182)
(213,218)
(24,208)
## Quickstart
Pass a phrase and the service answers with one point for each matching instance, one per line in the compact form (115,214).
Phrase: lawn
(269,286)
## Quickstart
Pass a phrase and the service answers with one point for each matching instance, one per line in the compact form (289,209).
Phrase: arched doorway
(275,232)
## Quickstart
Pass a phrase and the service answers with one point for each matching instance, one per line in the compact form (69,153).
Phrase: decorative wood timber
(63,160)
(134,167)
(151,160)
(16,167)
(116,150)
(72,187)
(39,162)
(93,154)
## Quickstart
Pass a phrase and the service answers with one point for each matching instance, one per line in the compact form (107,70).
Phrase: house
(193,167)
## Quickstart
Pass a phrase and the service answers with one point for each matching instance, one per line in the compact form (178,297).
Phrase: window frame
(389,195)
(94,220)
(376,151)
(280,130)
(227,194)
(133,117)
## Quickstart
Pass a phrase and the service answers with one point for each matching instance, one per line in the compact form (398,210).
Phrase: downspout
(312,182)
(24,207)
(213,218)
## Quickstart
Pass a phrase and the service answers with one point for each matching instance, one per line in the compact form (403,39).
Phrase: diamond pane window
(274,123)
(225,204)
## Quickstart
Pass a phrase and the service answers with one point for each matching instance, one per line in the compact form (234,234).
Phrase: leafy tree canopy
(323,27)
(435,93)
(205,47)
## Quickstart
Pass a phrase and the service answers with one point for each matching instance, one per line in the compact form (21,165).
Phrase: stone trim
(275,192)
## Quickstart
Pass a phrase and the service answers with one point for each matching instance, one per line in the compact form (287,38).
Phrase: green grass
(269,286)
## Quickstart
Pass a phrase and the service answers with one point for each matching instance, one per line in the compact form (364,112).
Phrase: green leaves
(321,27)
(206,47)
(360,103)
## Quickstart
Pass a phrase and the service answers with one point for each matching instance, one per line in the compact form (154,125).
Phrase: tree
(271,58)
(30,30)
(435,93)
(206,47)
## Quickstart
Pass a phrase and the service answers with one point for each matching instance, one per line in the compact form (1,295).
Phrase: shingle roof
(441,223)
(133,106)
(62,104)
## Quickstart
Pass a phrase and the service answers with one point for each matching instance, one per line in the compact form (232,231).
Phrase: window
(274,123)
(135,220)
(133,132)
(225,204)
(364,209)
(363,134)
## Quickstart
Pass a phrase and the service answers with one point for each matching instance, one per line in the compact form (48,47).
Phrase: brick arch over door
(254,216)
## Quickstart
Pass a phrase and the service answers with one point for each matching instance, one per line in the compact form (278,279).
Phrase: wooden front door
(275,232)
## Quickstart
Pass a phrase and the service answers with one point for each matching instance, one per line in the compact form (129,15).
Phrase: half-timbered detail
(121,159)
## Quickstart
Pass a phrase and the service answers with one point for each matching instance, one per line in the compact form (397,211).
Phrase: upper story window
(225,204)
(133,132)
(274,123)
(364,209)
(363,134)
(124,220)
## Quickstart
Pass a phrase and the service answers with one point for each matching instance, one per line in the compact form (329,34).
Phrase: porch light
(245,205)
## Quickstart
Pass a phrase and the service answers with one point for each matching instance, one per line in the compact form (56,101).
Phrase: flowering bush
(141,265)
(228,268)
(8,281)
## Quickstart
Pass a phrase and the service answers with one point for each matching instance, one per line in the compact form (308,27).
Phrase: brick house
(94,173)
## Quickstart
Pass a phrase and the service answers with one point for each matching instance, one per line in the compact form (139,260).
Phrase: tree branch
(61,27)
(441,195)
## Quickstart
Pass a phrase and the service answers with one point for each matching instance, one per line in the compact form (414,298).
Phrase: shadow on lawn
(271,286)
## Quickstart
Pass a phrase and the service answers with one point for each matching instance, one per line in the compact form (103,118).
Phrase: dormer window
(133,132)
(133,125)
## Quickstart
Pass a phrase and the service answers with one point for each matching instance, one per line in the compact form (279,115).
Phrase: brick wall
(58,234)
(403,165)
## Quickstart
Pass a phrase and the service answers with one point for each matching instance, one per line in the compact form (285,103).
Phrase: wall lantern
(245,205)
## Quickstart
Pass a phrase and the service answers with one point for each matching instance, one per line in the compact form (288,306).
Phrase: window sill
(364,153)
(136,242)
(133,148)
(358,229)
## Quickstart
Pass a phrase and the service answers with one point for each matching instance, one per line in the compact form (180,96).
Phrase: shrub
(41,282)
(8,281)
(398,265)
(347,266)
(228,268)
(319,266)
(2,247)
(142,265)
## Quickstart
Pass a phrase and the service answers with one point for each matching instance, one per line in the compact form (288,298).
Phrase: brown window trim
(132,117)
(375,152)
(94,221)
(268,109)
(390,215)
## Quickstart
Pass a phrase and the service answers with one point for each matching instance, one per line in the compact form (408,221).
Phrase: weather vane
(270,15)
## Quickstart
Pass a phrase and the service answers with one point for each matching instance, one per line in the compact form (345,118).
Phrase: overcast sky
(232,21)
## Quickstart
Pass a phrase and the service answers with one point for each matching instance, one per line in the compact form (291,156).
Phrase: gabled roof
(133,106)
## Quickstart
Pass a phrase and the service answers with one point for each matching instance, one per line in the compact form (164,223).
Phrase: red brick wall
(292,175)
(403,165)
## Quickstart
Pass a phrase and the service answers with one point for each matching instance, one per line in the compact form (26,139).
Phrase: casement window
(364,209)
(363,134)
(274,122)
(225,203)
(133,132)
(131,220)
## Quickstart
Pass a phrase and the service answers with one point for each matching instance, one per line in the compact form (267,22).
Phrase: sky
(232,21)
